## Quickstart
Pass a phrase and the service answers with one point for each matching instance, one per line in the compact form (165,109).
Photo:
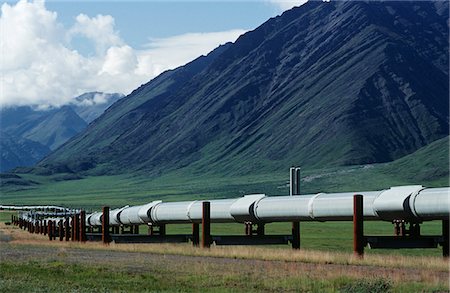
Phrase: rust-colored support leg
(82,235)
(296,235)
(150,230)
(76,228)
(54,230)
(106,239)
(206,224)
(72,228)
(248,228)
(162,229)
(61,230)
(195,234)
(45,227)
(445,235)
(67,229)
(260,231)
(50,230)
(358,226)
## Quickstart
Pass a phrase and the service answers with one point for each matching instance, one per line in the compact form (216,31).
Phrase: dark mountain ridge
(323,84)
(29,133)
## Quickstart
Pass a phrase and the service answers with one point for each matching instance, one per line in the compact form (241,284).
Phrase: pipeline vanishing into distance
(413,203)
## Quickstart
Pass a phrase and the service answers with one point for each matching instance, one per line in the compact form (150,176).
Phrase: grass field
(327,247)
(326,236)
(91,192)
(31,263)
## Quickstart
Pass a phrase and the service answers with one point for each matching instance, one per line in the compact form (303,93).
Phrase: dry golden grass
(20,237)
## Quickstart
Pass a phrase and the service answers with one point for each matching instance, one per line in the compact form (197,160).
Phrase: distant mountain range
(324,84)
(29,134)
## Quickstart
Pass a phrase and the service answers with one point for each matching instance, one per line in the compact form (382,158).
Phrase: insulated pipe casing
(243,209)
(397,203)
(94,219)
(114,216)
(410,203)
(136,215)
(432,204)
(171,212)
(219,211)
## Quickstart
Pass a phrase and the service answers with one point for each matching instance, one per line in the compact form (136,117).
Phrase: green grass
(119,190)
(326,236)
(92,192)
(57,275)
(5,216)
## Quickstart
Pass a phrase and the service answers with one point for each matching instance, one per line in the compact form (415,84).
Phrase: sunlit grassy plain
(329,274)
(322,243)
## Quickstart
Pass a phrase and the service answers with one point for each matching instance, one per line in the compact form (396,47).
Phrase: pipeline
(413,203)
(33,208)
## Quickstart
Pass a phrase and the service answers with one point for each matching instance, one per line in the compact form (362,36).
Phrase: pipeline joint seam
(311,204)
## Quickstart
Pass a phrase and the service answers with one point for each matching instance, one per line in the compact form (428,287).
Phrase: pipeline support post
(82,236)
(61,230)
(50,230)
(195,234)
(76,228)
(72,228)
(260,229)
(295,190)
(67,229)
(445,235)
(206,224)
(248,228)
(358,226)
(105,226)
(162,229)
(54,230)
(295,235)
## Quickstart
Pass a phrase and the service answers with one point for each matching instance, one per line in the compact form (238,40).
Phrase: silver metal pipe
(411,203)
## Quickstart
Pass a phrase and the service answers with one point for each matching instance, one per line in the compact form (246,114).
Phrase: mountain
(17,151)
(50,128)
(89,106)
(28,134)
(324,84)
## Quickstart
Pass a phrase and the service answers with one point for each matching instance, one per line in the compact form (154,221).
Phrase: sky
(53,51)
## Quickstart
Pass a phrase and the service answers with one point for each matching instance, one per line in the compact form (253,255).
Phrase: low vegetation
(31,263)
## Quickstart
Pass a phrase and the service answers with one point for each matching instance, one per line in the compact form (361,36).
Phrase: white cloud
(119,60)
(168,53)
(99,29)
(287,4)
(38,65)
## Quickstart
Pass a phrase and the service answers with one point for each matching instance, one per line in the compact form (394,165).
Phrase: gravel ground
(13,248)
(143,261)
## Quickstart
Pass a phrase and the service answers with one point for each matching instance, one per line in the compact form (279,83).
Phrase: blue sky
(142,20)
(53,51)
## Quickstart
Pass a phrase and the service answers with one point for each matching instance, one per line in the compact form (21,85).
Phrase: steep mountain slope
(324,84)
(56,128)
(17,151)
